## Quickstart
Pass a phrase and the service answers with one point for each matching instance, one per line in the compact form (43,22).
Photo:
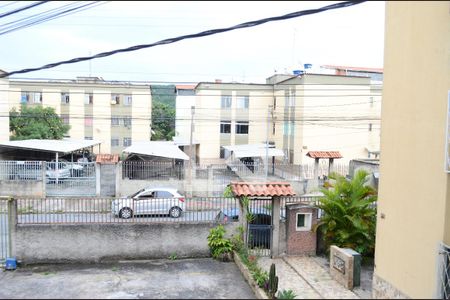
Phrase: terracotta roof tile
(324,154)
(263,189)
(107,158)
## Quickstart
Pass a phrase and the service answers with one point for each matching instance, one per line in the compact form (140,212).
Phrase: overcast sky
(352,36)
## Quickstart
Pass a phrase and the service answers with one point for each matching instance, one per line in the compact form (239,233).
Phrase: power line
(45,16)
(22,9)
(190,36)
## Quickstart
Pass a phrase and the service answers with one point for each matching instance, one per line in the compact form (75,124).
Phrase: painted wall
(4,110)
(413,205)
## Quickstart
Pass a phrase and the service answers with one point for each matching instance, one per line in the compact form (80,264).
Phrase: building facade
(4,109)
(413,222)
(296,113)
(114,113)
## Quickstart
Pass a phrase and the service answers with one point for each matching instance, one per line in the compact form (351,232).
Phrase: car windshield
(135,194)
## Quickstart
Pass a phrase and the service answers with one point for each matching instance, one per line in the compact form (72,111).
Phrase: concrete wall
(4,110)
(414,198)
(99,242)
(107,180)
(22,188)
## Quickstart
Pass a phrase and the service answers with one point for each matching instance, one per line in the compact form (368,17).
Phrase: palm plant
(349,217)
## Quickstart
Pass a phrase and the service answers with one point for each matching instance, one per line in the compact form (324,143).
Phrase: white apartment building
(4,109)
(114,113)
(296,113)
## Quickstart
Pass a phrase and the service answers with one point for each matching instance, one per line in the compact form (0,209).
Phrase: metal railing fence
(444,272)
(4,231)
(104,210)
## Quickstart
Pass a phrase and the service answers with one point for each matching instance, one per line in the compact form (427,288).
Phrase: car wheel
(175,212)
(125,213)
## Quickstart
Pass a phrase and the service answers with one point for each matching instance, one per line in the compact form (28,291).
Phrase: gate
(4,231)
(70,179)
(259,238)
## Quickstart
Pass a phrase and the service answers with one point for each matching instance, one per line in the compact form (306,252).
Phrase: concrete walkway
(308,278)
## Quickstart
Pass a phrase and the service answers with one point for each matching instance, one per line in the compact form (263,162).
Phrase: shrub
(286,294)
(219,246)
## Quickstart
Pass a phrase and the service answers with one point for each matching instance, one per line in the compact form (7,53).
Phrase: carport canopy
(59,147)
(168,149)
(253,150)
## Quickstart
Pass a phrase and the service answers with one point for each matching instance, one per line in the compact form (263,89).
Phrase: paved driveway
(163,279)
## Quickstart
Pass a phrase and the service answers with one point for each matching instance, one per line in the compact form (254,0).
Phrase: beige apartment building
(4,109)
(296,113)
(412,254)
(113,113)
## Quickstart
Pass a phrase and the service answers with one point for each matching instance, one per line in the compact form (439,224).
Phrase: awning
(157,148)
(253,150)
(55,146)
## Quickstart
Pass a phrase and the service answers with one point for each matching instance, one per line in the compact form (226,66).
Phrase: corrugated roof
(61,146)
(262,189)
(253,150)
(324,154)
(107,158)
(157,148)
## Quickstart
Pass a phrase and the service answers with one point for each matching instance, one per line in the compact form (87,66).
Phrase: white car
(150,201)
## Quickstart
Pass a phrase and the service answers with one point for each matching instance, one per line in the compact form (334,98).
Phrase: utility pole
(266,165)
(190,148)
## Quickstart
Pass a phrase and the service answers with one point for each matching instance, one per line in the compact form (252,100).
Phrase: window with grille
(242,102)
(444,272)
(225,126)
(127,100)
(88,98)
(241,127)
(65,98)
(114,142)
(127,122)
(115,99)
(115,121)
(225,102)
(126,142)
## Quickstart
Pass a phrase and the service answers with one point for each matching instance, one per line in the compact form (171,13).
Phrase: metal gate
(259,238)
(444,270)
(4,231)
(70,179)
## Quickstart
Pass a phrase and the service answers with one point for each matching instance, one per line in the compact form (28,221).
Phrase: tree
(163,122)
(349,218)
(36,123)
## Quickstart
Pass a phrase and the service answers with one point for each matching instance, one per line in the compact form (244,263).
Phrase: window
(114,142)
(88,121)
(225,102)
(65,98)
(222,153)
(115,121)
(241,127)
(303,221)
(127,100)
(163,194)
(115,99)
(242,102)
(25,97)
(127,122)
(37,97)
(225,126)
(88,98)
(370,126)
(126,142)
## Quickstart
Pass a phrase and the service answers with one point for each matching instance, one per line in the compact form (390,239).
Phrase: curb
(259,292)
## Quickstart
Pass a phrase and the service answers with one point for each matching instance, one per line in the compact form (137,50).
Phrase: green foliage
(237,239)
(36,122)
(228,192)
(260,276)
(349,220)
(273,282)
(163,122)
(173,256)
(286,294)
(218,244)
(164,94)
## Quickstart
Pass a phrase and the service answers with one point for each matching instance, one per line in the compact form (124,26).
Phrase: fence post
(12,222)
(119,167)
(276,206)
(44,178)
(210,185)
(97,179)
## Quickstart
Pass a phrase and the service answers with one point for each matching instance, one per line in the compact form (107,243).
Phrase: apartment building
(114,113)
(296,113)
(412,254)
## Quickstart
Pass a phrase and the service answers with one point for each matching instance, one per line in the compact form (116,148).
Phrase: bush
(219,246)
(286,294)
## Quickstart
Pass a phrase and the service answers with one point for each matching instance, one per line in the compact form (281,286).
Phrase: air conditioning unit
(113,102)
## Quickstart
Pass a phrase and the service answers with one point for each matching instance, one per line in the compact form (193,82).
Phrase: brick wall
(300,242)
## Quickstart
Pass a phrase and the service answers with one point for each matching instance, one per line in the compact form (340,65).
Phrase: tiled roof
(264,189)
(107,158)
(324,154)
